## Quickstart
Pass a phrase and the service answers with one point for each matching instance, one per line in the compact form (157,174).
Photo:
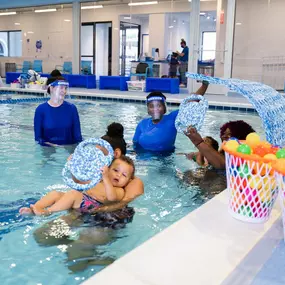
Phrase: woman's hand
(193,135)
(190,155)
(52,144)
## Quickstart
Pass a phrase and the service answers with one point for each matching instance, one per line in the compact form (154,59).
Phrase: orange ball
(261,150)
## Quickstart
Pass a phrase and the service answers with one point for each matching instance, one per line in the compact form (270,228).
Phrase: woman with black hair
(238,129)
(56,121)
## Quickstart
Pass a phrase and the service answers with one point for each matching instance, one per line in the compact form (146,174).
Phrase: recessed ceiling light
(8,13)
(238,24)
(17,24)
(45,10)
(30,32)
(202,13)
(143,3)
(91,7)
(127,18)
(67,20)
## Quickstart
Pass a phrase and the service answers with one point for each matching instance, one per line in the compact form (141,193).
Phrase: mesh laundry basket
(252,186)
(279,167)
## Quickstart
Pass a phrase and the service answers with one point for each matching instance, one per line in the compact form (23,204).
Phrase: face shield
(59,89)
(156,107)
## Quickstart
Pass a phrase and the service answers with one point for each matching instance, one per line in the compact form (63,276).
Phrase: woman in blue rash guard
(56,121)
(158,133)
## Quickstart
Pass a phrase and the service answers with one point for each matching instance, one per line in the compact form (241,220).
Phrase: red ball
(261,151)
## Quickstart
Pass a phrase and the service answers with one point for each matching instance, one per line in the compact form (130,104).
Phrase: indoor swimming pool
(28,171)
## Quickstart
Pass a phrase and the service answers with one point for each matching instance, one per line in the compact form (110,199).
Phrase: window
(11,43)
(208,45)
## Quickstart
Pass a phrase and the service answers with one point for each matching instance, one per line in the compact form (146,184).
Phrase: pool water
(28,171)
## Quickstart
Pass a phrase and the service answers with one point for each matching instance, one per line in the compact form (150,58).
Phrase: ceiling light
(208,18)
(238,24)
(202,13)
(92,7)
(30,32)
(45,10)
(67,20)
(8,13)
(170,27)
(17,24)
(143,3)
(127,18)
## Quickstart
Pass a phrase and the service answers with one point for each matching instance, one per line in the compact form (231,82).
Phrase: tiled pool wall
(105,97)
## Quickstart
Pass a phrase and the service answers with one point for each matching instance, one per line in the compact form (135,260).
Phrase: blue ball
(233,139)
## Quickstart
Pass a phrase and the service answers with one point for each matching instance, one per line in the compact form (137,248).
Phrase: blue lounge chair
(86,67)
(23,68)
(38,65)
(65,68)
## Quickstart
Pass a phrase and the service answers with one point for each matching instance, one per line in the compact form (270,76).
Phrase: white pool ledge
(207,246)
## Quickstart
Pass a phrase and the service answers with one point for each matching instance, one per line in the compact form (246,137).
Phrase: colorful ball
(274,149)
(244,148)
(243,171)
(255,182)
(252,139)
(280,153)
(233,139)
(232,145)
(270,156)
(261,150)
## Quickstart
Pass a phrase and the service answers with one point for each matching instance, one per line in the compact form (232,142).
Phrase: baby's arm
(112,193)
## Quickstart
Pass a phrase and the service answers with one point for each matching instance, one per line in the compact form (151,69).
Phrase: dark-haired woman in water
(238,129)
(116,211)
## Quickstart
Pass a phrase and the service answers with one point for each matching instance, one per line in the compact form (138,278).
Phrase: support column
(158,38)
(116,46)
(194,41)
(76,37)
(229,41)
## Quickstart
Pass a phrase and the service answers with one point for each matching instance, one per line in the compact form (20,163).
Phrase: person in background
(56,122)
(173,64)
(183,60)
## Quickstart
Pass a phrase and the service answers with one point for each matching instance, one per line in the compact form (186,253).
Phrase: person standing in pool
(56,122)
(158,133)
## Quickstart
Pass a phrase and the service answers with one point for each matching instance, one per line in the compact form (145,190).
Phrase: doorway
(129,46)
(96,47)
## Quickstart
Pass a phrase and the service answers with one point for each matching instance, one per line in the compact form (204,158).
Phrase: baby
(110,189)
(198,157)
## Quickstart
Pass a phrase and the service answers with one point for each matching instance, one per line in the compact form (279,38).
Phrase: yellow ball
(270,156)
(252,139)
(232,145)
(255,182)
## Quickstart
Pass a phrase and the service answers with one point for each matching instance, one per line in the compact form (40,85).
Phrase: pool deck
(231,100)
(207,246)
